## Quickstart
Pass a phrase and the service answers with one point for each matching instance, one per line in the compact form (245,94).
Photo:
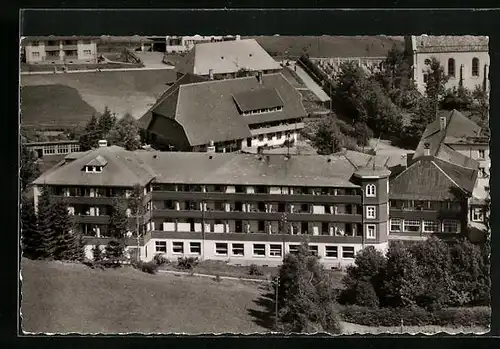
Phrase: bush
(159,259)
(255,270)
(479,316)
(217,278)
(147,267)
(187,263)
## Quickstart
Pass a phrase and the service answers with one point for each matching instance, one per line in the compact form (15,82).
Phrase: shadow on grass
(264,315)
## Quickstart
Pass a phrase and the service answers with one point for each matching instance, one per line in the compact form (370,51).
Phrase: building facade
(465,59)
(60,49)
(53,148)
(237,208)
(178,44)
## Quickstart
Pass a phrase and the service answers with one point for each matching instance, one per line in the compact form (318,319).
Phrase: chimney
(211,74)
(427,150)
(211,147)
(259,77)
(103,143)
(442,122)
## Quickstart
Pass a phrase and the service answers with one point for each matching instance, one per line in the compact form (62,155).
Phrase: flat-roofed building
(60,49)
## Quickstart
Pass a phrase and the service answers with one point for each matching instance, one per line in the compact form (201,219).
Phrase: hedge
(478,316)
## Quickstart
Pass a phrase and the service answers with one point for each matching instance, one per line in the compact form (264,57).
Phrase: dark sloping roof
(207,110)
(227,57)
(233,168)
(430,178)
(166,104)
(449,43)
(123,168)
(457,127)
(258,99)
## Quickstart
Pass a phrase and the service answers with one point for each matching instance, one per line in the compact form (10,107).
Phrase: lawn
(66,298)
(328,46)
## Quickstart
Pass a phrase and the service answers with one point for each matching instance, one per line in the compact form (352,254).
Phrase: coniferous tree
(106,122)
(97,253)
(117,228)
(30,238)
(66,246)
(46,217)
(90,136)
(29,168)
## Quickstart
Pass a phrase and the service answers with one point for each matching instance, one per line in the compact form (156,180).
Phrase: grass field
(121,91)
(328,46)
(72,298)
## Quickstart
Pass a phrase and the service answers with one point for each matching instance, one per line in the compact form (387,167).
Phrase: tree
(306,297)
(67,245)
(106,122)
(90,136)
(97,253)
(480,109)
(46,216)
(117,228)
(402,284)
(364,280)
(331,135)
(125,133)
(30,238)
(456,98)
(435,86)
(434,264)
(29,170)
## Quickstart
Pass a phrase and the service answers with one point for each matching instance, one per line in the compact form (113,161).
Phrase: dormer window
(95,165)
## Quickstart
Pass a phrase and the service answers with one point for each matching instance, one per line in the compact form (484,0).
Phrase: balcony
(52,48)
(70,47)
(265,216)
(103,219)
(278,238)
(88,200)
(296,198)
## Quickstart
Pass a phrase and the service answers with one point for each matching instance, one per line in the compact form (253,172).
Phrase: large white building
(465,59)
(60,49)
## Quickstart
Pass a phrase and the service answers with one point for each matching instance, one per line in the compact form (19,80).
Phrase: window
(451,67)
(275,250)
(370,212)
(161,246)
(35,43)
(221,249)
(279,135)
(313,249)
(431,226)
(261,138)
(331,251)
(35,54)
(87,52)
(195,247)
(370,231)
(481,154)
(178,247)
(450,226)
(371,190)
(412,225)
(396,224)
(259,249)
(477,214)
(347,252)
(238,249)
(475,66)
(293,249)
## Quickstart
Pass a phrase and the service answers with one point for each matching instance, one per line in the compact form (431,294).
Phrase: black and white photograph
(184,183)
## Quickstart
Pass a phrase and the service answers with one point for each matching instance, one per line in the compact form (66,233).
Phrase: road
(311,84)
(93,70)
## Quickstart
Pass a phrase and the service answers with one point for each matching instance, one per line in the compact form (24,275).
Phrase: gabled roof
(258,99)
(431,178)
(226,57)
(457,127)
(449,43)
(208,111)
(123,169)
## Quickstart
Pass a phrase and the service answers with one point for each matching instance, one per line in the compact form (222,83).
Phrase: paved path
(94,70)
(311,84)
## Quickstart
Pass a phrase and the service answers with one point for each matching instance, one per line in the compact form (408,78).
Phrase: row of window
(262,111)
(36,54)
(425,205)
(452,67)
(427,226)
(258,250)
(65,42)
(60,149)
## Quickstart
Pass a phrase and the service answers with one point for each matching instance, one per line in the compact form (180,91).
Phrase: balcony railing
(295,198)
(52,48)
(425,214)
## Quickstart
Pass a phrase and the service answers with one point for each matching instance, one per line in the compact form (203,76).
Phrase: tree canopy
(29,170)
(125,133)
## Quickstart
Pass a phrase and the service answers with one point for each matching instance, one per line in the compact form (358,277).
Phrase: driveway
(152,59)
(311,84)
